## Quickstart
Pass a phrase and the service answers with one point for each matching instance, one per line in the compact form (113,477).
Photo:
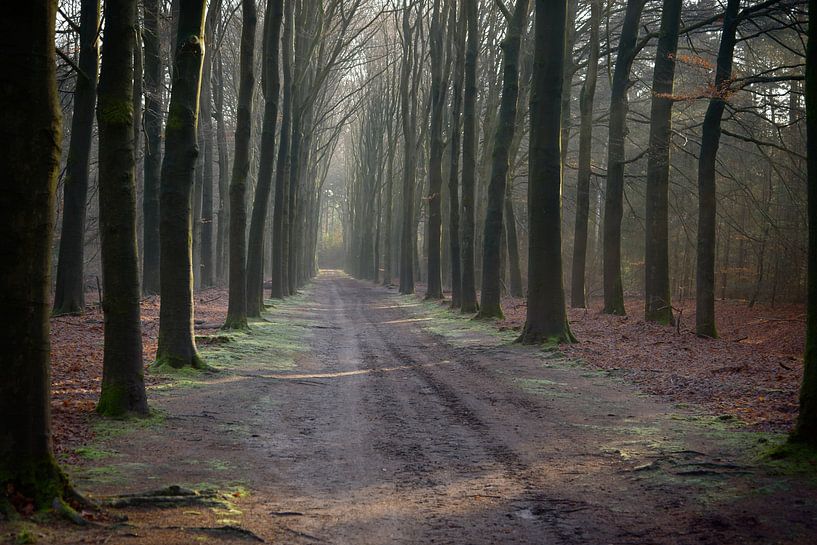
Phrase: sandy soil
(357,416)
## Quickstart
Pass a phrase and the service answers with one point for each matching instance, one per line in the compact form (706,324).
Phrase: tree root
(172,496)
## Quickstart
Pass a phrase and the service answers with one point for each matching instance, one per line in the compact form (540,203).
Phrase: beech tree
(30,151)
(69,293)
(237,306)
(123,387)
(658,306)
(490,306)
(154,105)
(806,429)
(546,317)
(177,346)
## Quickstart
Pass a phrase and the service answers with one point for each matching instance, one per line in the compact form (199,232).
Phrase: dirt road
(357,416)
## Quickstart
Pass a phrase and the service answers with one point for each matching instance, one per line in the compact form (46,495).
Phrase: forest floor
(355,415)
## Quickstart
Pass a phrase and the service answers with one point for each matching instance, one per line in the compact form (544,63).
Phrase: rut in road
(394,425)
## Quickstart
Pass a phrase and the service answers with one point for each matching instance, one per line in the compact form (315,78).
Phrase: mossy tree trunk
(237,306)
(588,94)
(806,429)
(271,86)
(546,319)
(280,221)
(707,204)
(69,293)
(153,147)
(30,154)
(177,346)
(658,305)
(614,197)
(123,386)
(490,301)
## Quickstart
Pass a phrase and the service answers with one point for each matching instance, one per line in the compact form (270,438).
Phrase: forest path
(358,416)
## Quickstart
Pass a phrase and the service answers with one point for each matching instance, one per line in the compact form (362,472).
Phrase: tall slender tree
(153,147)
(707,204)
(454,165)
(546,319)
(177,345)
(806,428)
(30,153)
(490,305)
(657,306)
(614,197)
(69,293)
(271,87)
(588,94)
(123,386)
(469,157)
(237,306)
(407,110)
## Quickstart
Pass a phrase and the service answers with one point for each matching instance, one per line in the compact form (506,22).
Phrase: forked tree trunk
(177,346)
(806,429)
(30,154)
(237,306)
(614,197)
(490,302)
(69,294)
(710,140)
(469,157)
(123,386)
(588,94)
(546,319)
(657,302)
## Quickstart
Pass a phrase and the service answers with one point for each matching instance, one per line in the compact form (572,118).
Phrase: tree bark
(409,160)
(588,94)
(237,306)
(658,304)
(806,428)
(69,294)
(454,167)
(271,86)
(30,154)
(614,197)
(280,221)
(490,301)
(223,211)
(153,147)
(123,387)
(546,319)
(177,346)
(707,205)
(469,158)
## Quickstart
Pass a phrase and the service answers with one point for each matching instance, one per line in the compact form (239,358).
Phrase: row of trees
(353,76)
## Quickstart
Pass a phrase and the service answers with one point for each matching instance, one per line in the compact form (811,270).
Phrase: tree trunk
(153,147)
(123,387)
(490,302)
(435,165)
(223,212)
(409,158)
(69,294)
(30,154)
(454,167)
(806,428)
(614,197)
(280,283)
(588,95)
(237,306)
(469,157)
(657,300)
(177,346)
(516,289)
(209,143)
(710,140)
(271,86)
(546,319)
